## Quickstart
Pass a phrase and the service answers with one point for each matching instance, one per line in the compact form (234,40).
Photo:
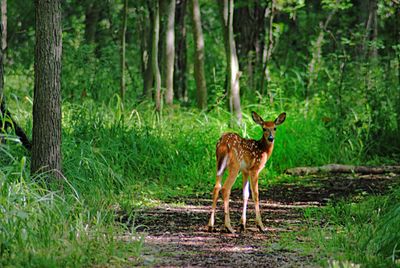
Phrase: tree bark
(4,25)
(154,56)
(3,30)
(170,53)
(92,15)
(180,73)
(250,32)
(316,58)
(123,47)
(336,168)
(199,74)
(267,53)
(226,8)
(46,150)
(146,47)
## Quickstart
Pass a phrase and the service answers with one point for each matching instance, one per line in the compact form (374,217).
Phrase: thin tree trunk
(226,8)
(170,53)
(4,25)
(154,56)
(316,59)
(123,47)
(3,33)
(267,53)
(4,112)
(92,15)
(46,150)
(180,59)
(146,47)
(199,74)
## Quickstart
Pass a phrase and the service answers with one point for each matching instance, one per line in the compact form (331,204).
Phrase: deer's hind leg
(226,192)
(246,194)
(217,187)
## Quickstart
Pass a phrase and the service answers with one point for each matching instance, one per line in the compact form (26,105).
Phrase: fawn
(248,156)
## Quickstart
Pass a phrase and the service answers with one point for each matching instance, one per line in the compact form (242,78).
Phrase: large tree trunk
(199,74)
(180,59)
(46,151)
(170,53)
(154,56)
(226,8)
(123,45)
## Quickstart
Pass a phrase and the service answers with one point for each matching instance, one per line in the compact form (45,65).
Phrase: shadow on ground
(176,235)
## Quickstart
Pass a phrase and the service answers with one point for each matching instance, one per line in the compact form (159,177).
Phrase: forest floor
(176,234)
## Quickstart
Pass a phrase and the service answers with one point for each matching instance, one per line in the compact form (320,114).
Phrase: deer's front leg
(245,200)
(254,193)
(226,192)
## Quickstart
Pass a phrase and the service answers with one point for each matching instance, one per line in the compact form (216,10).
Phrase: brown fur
(248,156)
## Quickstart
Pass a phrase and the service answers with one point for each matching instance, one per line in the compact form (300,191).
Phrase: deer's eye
(274,128)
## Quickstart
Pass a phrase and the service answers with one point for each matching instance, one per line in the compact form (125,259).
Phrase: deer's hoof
(261,228)
(242,228)
(211,229)
(229,229)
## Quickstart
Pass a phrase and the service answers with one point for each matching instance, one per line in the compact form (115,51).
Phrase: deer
(249,156)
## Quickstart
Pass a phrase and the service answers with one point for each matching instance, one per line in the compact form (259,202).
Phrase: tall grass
(118,158)
(365,233)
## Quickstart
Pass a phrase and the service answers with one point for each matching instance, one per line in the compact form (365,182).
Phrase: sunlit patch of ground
(176,235)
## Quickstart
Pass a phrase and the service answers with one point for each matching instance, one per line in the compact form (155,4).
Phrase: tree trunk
(92,15)
(146,47)
(154,56)
(170,53)
(250,31)
(46,151)
(3,33)
(313,66)
(199,74)
(123,45)
(226,8)
(180,59)
(4,113)
(4,25)
(267,53)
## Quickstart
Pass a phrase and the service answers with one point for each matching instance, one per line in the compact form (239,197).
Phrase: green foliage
(41,226)
(365,233)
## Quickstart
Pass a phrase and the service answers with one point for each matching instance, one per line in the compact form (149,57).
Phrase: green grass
(116,159)
(366,233)
(348,234)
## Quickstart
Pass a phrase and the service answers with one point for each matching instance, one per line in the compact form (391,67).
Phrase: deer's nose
(270,138)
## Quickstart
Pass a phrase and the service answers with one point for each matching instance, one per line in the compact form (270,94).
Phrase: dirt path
(176,235)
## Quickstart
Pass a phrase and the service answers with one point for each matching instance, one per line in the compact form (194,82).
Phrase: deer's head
(269,127)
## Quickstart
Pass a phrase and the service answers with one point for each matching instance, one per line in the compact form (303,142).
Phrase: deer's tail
(222,160)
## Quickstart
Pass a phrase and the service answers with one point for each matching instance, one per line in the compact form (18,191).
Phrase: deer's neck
(265,146)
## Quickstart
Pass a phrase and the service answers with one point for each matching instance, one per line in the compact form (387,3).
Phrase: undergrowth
(365,233)
(348,234)
(116,159)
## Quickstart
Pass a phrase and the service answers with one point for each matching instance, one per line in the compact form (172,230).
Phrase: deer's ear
(280,119)
(257,118)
